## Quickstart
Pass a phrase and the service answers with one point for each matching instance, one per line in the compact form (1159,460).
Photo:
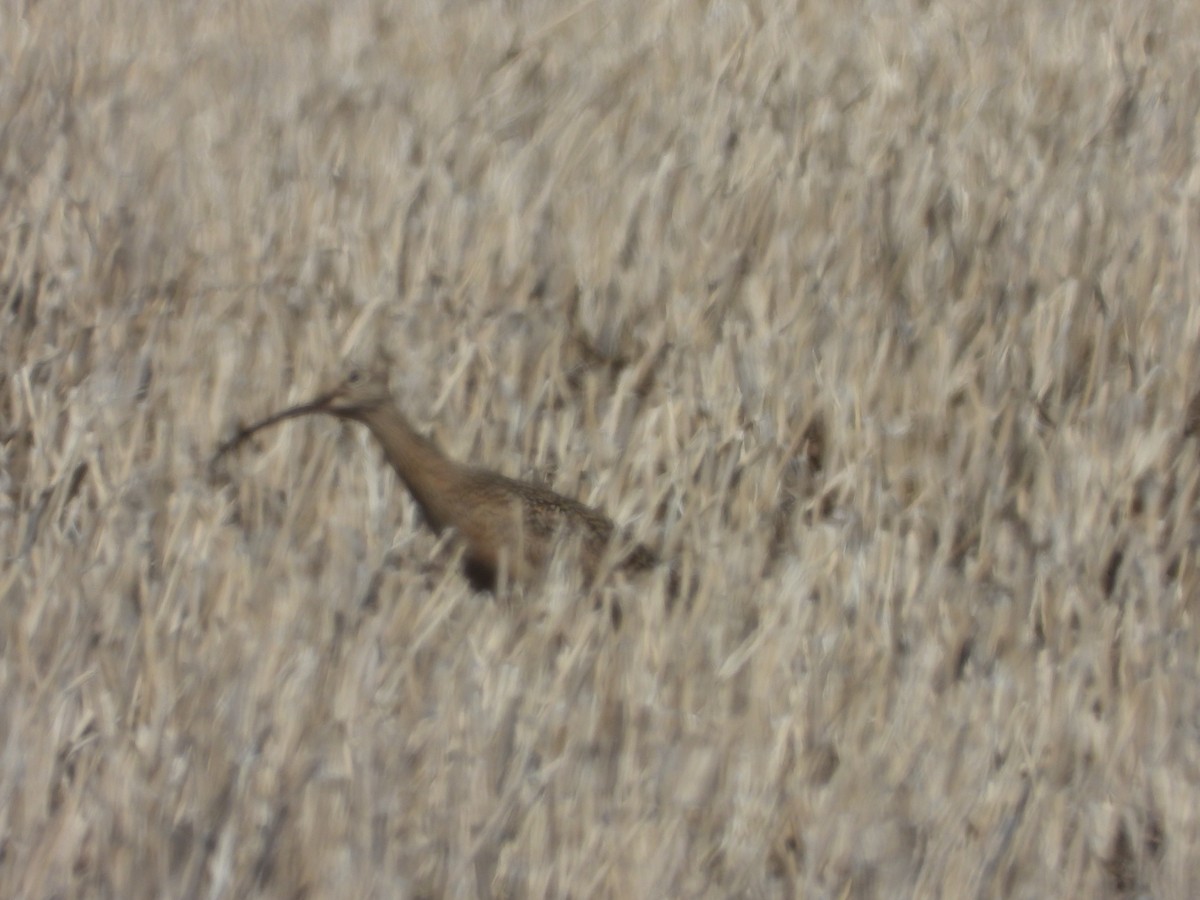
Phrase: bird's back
(502,515)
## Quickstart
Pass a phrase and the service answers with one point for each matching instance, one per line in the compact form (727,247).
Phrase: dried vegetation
(880,318)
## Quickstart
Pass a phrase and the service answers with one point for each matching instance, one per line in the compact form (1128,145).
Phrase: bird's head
(359,390)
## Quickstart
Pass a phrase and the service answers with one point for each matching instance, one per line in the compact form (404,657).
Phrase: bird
(504,523)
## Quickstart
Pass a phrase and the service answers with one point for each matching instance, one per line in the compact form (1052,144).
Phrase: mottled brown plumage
(501,521)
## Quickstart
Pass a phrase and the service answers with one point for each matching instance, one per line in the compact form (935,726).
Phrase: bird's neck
(430,476)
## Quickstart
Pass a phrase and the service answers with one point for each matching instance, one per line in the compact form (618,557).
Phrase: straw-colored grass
(880,319)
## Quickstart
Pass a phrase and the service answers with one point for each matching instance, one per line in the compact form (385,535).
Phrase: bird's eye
(354,377)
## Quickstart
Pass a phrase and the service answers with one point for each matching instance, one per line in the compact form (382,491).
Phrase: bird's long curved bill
(320,404)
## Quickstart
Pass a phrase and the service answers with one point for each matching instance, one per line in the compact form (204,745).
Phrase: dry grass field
(880,319)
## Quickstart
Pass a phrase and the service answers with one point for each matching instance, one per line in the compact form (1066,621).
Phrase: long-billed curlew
(501,521)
